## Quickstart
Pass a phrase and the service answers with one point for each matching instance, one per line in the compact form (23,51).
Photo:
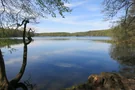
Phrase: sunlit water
(57,62)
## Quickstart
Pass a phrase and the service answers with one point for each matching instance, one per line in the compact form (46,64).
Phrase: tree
(124,53)
(113,7)
(12,13)
(125,28)
(14,83)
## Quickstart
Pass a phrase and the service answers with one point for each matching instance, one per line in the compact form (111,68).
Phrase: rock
(106,81)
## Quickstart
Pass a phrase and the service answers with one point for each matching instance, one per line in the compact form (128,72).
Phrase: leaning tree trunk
(3,78)
(21,72)
(14,83)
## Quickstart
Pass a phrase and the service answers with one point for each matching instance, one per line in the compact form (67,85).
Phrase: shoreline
(106,81)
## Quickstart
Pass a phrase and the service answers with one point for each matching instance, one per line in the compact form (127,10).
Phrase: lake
(59,62)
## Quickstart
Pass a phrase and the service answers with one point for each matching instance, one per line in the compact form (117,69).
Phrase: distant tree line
(11,33)
(88,33)
(19,33)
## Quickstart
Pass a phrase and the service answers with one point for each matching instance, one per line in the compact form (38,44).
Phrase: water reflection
(124,53)
(14,83)
(8,42)
(56,64)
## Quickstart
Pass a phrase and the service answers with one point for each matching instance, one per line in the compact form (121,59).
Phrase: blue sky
(86,15)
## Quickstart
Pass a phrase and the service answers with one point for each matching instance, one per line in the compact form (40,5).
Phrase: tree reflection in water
(124,53)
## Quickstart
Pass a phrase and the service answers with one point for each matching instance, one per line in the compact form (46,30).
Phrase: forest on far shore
(18,33)
(87,33)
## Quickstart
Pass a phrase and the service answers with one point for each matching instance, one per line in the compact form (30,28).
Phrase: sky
(86,15)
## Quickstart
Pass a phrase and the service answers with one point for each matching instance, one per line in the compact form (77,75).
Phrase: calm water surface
(58,62)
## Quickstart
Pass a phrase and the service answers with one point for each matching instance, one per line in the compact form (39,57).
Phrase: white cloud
(33,58)
(75,4)
(76,20)
(61,51)
(81,19)
(67,20)
(93,22)
(93,8)
(19,60)
(67,65)
(13,61)
(40,29)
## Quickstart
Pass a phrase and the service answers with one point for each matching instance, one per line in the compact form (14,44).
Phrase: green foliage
(53,34)
(85,86)
(12,33)
(106,41)
(99,33)
(124,30)
(88,33)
